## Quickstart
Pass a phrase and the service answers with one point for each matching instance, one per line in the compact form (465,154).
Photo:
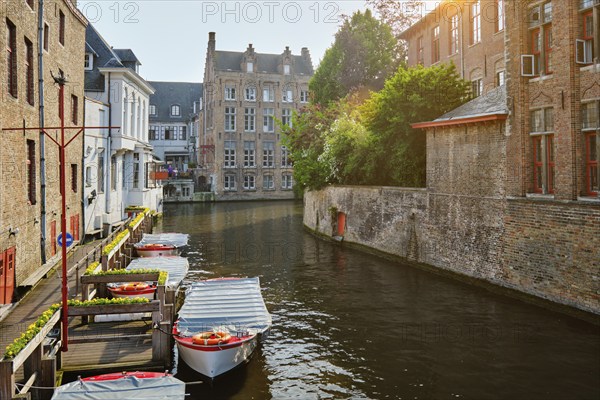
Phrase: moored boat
(161,244)
(133,289)
(220,324)
(126,385)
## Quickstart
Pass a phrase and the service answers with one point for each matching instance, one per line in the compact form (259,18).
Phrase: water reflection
(350,325)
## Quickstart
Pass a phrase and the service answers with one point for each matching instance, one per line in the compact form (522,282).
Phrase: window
(542,135)
(585,45)
(477,87)
(499,15)
(100,175)
(286,161)
(29,72)
(169,133)
(286,117)
(61,27)
(88,63)
(420,51)
(287,182)
(540,62)
(74,109)
(268,122)
(229,147)
(124,173)
(229,119)
(287,96)
(249,119)
(46,36)
(31,171)
(268,94)
(268,154)
(136,170)
(11,59)
(249,155)
(286,69)
(74,226)
(453,34)
(249,67)
(500,78)
(175,110)
(475,22)
(590,125)
(304,96)
(229,93)
(74,178)
(88,176)
(152,109)
(183,133)
(435,44)
(229,182)
(250,93)
(113,173)
(249,182)
(268,183)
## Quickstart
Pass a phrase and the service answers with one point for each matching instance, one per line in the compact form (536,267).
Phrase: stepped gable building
(518,167)
(245,95)
(30,200)
(120,169)
(174,123)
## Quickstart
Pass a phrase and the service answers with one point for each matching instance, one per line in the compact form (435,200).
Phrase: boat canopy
(169,239)
(130,388)
(176,266)
(235,305)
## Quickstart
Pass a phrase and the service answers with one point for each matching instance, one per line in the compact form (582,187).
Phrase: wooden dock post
(7,380)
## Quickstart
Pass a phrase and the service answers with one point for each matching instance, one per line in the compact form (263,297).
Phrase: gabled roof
(232,61)
(170,93)
(488,107)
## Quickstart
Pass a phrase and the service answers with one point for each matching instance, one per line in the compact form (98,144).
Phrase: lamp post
(61,80)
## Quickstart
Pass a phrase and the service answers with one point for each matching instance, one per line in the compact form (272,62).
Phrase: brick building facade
(30,198)
(245,94)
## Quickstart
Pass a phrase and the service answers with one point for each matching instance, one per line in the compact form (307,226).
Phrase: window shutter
(527,65)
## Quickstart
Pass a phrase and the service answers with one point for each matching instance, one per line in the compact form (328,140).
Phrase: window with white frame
(453,37)
(229,182)
(152,133)
(500,78)
(287,69)
(152,109)
(229,148)
(590,127)
(268,154)
(268,120)
(249,154)
(435,44)
(304,96)
(539,59)
(287,96)
(477,87)
(250,119)
(268,182)
(268,94)
(542,135)
(287,181)
(229,93)
(249,182)
(499,15)
(286,117)
(175,110)
(250,93)
(229,119)
(286,161)
(588,44)
(475,22)
(249,67)
(88,64)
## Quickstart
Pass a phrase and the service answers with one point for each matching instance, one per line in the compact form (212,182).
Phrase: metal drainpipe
(83,199)
(108,158)
(42,136)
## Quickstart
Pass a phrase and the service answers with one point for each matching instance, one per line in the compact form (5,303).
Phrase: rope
(155,326)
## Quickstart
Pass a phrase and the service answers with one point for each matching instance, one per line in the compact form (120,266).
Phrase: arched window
(175,110)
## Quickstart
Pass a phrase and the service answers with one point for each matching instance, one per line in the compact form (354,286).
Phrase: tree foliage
(362,55)
(371,142)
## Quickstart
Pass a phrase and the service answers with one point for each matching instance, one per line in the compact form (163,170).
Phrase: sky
(170,37)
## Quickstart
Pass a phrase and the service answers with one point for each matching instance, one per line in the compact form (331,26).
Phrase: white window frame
(268,94)
(528,66)
(175,107)
(88,63)
(229,183)
(230,119)
(268,182)
(268,120)
(152,109)
(250,119)
(286,116)
(286,162)
(249,154)
(584,51)
(304,96)
(287,181)
(287,69)
(268,155)
(287,96)
(230,93)
(249,182)
(250,93)
(229,154)
(249,67)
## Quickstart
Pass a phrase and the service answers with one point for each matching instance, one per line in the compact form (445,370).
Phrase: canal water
(350,325)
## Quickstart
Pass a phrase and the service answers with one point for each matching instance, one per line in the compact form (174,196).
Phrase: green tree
(362,55)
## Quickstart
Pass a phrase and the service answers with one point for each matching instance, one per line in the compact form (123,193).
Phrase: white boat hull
(213,362)
(157,253)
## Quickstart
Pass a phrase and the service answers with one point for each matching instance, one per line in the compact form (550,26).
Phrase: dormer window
(175,110)
(286,69)
(152,109)
(249,67)
(89,62)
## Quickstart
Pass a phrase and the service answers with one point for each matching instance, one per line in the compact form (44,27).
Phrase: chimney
(212,43)
(287,51)
(250,49)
